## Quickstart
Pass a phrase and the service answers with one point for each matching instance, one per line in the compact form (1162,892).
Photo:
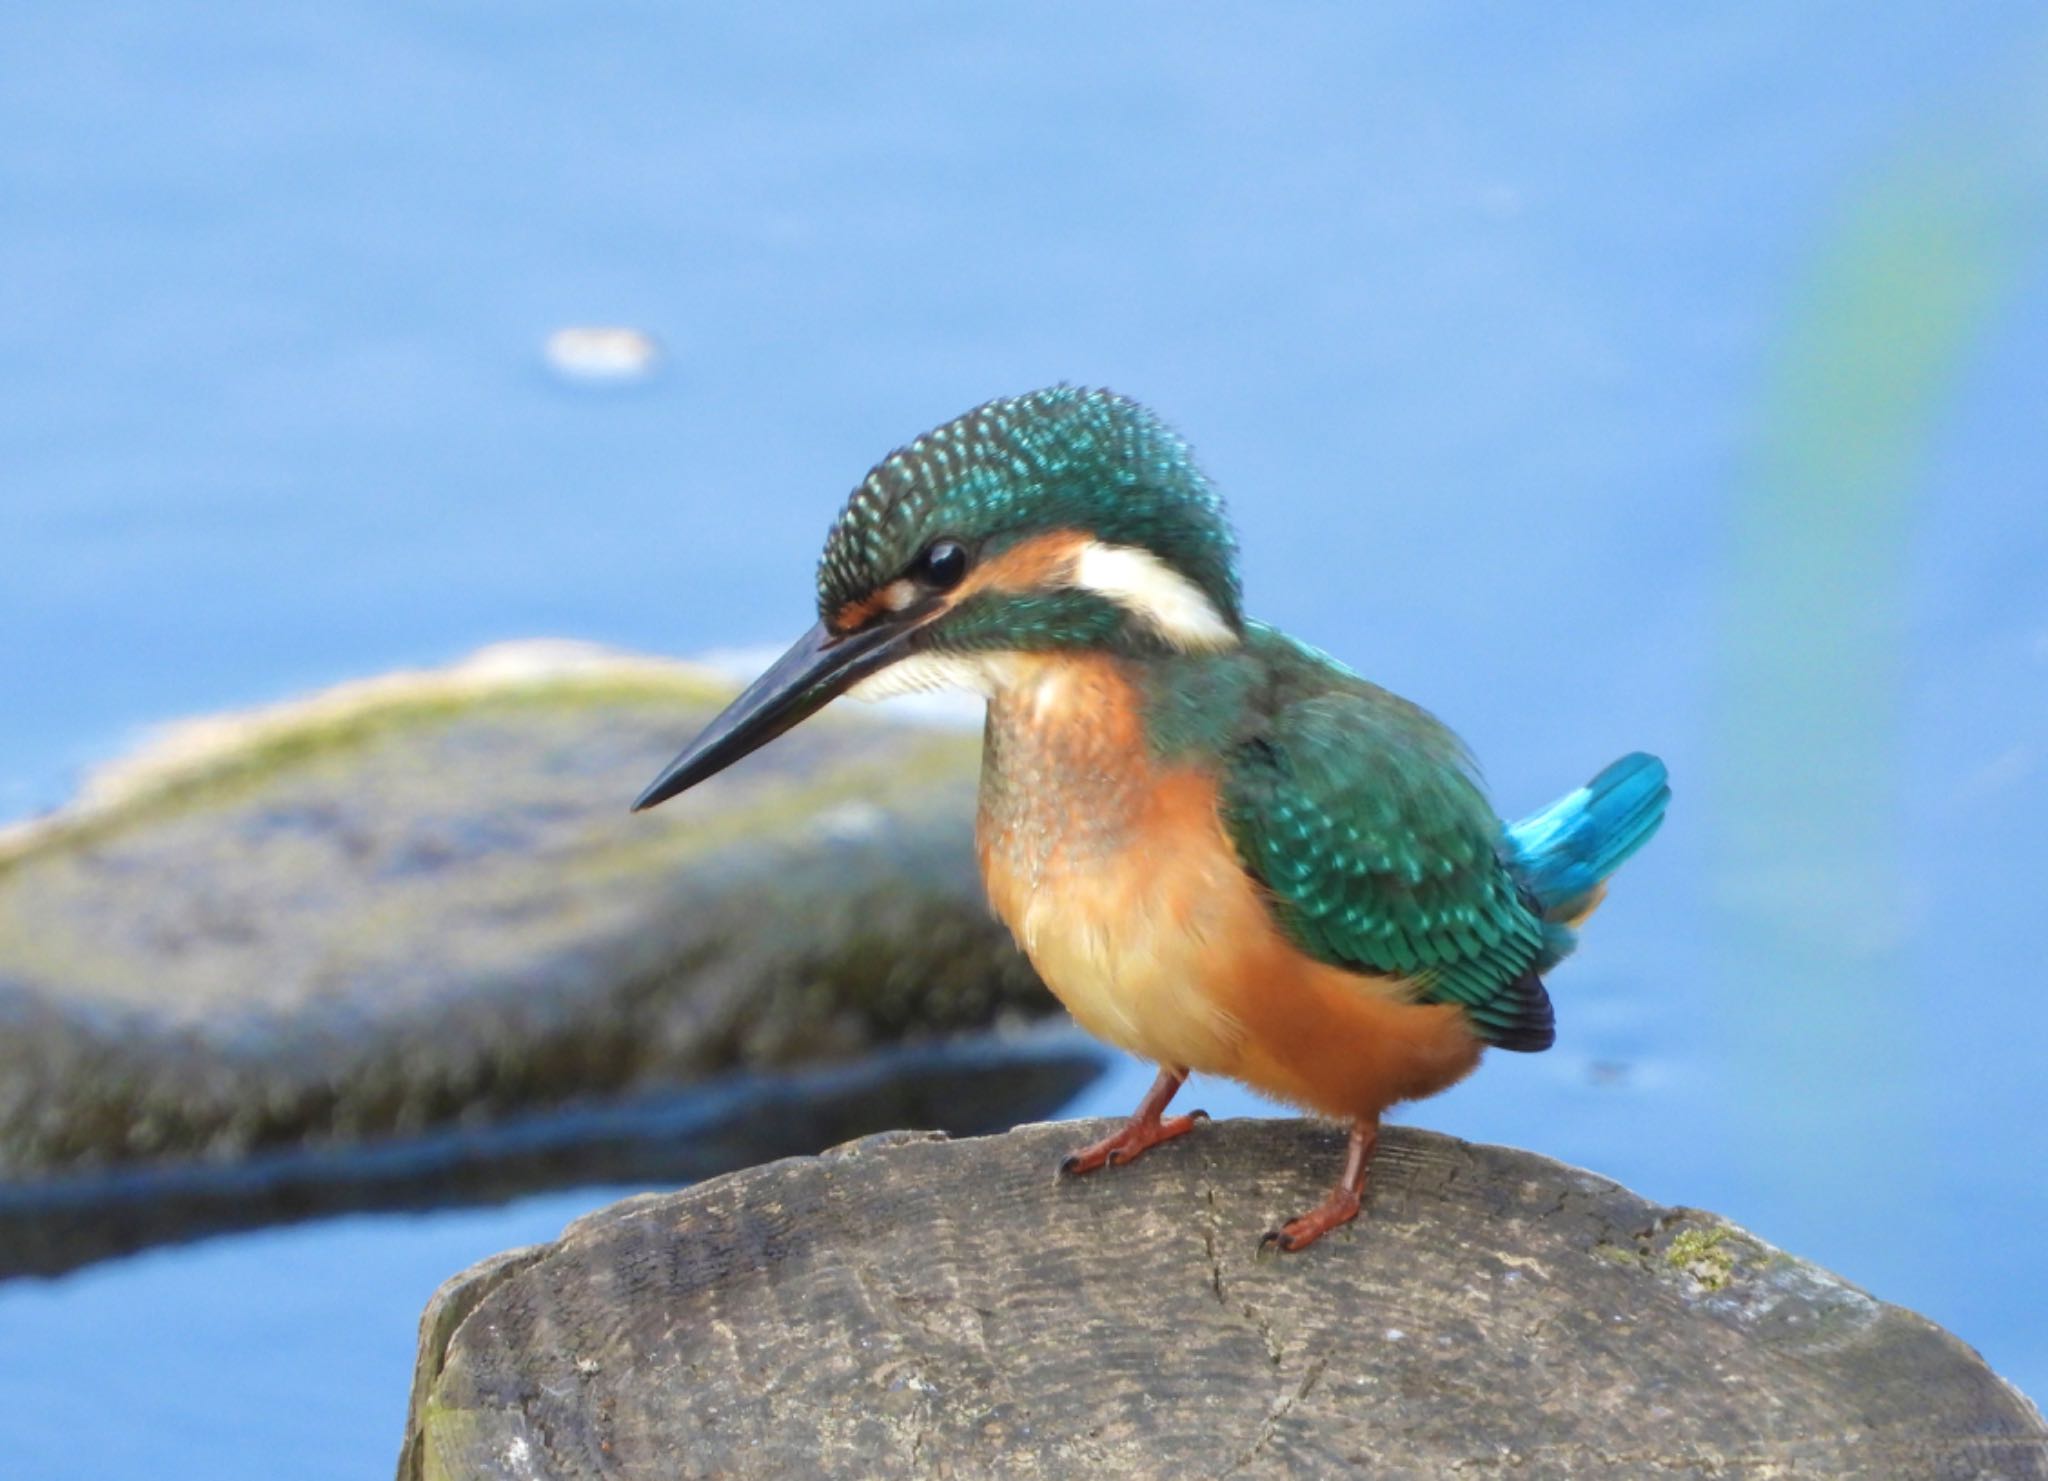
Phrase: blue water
(1602,381)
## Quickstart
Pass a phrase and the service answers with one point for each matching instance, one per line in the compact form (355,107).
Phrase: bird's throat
(1064,773)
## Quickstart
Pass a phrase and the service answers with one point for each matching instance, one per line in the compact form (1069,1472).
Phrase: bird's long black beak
(818,667)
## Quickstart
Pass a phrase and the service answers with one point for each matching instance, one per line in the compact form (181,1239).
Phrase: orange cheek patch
(1043,560)
(859,613)
(856,614)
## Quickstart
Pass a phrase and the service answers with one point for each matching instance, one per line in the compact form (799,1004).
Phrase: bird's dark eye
(942,565)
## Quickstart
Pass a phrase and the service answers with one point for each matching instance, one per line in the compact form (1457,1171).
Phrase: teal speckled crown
(1061,458)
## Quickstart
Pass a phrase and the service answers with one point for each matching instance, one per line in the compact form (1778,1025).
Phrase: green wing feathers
(1357,810)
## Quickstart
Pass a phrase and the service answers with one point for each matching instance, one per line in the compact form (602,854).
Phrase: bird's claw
(1339,1209)
(1128,1143)
(1284,1240)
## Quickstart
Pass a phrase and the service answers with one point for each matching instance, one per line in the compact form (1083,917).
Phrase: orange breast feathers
(1120,883)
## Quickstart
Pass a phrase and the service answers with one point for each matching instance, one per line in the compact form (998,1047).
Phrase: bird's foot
(1132,1139)
(1341,1207)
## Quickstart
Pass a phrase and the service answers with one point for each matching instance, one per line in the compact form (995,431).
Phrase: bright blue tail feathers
(1564,852)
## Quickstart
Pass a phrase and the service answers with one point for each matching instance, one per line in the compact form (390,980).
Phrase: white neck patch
(1151,590)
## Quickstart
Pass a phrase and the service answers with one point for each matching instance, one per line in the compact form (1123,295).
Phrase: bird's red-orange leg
(1145,1129)
(1341,1207)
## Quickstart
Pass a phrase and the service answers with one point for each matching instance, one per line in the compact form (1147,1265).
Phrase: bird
(1220,848)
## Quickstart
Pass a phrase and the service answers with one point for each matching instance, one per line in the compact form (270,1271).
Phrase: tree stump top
(911,1306)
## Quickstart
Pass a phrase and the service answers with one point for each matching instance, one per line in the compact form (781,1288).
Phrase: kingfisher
(1220,848)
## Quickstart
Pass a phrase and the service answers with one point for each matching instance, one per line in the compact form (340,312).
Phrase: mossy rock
(911,1306)
(420,903)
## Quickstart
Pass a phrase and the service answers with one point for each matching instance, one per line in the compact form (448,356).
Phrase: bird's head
(1061,519)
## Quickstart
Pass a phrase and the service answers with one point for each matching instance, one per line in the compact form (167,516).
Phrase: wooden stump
(910,1306)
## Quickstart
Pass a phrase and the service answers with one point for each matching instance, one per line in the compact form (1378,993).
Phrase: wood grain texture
(909,1306)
